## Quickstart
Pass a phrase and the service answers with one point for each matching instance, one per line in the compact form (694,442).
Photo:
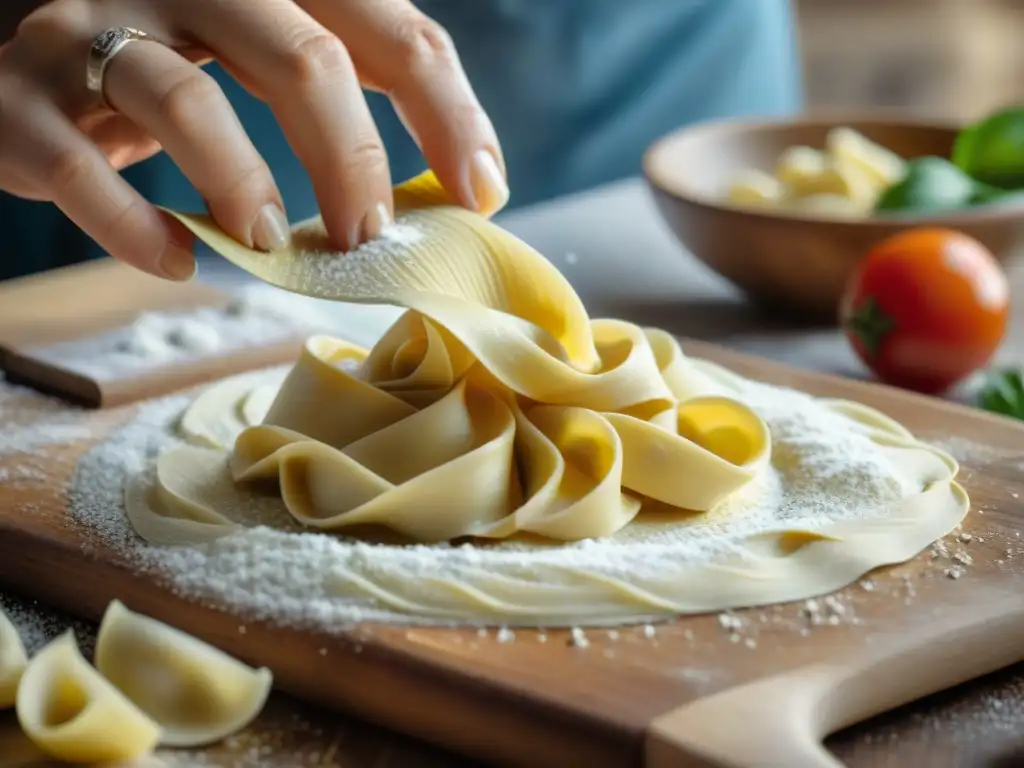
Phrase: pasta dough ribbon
(493,406)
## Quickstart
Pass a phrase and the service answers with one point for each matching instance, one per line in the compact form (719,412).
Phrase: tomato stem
(871,324)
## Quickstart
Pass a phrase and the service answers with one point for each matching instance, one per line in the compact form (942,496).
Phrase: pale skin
(307,59)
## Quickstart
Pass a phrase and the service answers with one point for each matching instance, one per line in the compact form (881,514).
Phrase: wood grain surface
(553,703)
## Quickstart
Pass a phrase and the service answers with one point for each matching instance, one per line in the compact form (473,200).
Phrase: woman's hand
(306,58)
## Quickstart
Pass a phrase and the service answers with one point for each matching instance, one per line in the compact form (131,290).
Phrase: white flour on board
(21,474)
(38,624)
(256,316)
(31,424)
(965,450)
(284,576)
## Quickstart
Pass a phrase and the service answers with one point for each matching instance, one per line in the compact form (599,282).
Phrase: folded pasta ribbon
(493,406)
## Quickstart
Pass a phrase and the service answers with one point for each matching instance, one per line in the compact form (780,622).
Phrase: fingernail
(490,190)
(374,222)
(177,263)
(270,231)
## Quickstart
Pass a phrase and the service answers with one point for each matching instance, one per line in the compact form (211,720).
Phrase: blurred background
(941,58)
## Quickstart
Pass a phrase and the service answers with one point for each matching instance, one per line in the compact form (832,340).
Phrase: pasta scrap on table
(151,685)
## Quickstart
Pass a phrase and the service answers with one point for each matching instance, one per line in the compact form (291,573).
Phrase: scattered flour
(988,712)
(40,436)
(256,315)
(31,424)
(578,638)
(38,624)
(20,474)
(505,635)
(284,576)
(968,451)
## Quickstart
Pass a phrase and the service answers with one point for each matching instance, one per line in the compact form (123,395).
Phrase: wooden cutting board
(77,302)
(530,702)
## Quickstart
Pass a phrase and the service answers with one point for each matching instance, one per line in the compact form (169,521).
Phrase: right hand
(306,58)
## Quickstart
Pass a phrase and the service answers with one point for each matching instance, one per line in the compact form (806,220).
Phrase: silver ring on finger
(105,46)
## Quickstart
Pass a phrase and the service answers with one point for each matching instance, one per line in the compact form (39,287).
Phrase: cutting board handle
(783,720)
(945,654)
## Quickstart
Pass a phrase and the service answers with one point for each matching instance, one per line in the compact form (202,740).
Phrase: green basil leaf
(1003,393)
(992,150)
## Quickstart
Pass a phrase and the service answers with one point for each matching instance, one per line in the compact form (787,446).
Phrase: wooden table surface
(624,263)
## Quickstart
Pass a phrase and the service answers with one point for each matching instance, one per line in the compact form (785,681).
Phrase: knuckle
(469,117)
(44,23)
(315,56)
(67,168)
(53,27)
(366,157)
(188,97)
(125,217)
(422,43)
(246,183)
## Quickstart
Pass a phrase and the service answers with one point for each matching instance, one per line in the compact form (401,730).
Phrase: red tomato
(925,308)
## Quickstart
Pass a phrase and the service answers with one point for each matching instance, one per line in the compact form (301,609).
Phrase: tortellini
(73,713)
(197,693)
(152,685)
(13,661)
(845,179)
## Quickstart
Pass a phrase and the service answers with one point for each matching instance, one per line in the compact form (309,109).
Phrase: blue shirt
(577,89)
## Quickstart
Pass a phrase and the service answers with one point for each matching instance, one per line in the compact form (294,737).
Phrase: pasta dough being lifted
(495,407)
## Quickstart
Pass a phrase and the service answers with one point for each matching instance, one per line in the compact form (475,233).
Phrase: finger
(307,77)
(46,150)
(399,50)
(14,184)
(184,109)
(122,141)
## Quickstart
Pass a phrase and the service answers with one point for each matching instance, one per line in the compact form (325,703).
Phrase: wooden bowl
(799,263)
